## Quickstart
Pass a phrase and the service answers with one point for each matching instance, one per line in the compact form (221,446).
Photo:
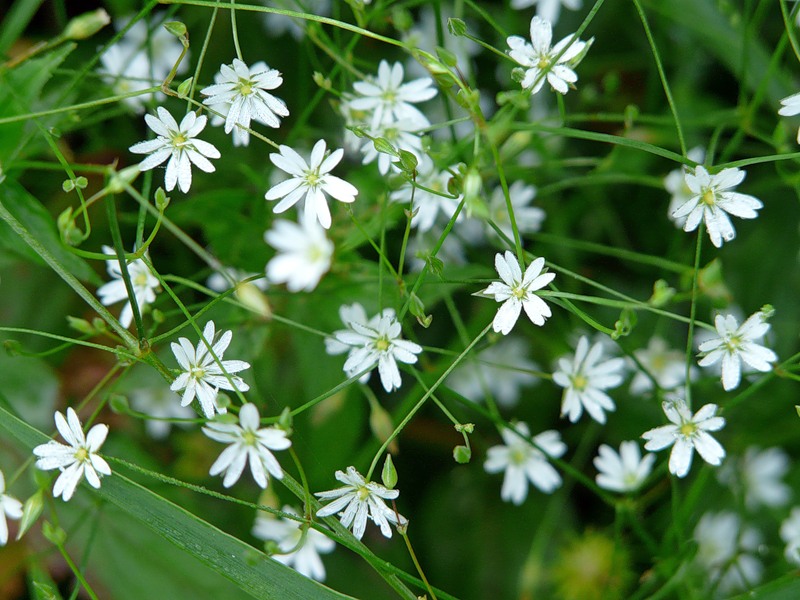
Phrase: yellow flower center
(245,87)
(708,197)
(363,493)
(382,344)
(179,139)
(544,62)
(249,437)
(688,429)
(197,373)
(579,382)
(517,456)
(81,455)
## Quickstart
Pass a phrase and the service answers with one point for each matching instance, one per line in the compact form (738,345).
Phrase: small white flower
(143,281)
(736,345)
(358,500)
(549,10)
(373,342)
(402,135)
(528,218)
(790,534)
(179,144)
(687,433)
(389,100)
(76,460)
(10,508)
(759,475)
(790,106)
(665,365)
(304,253)
(713,199)
(248,441)
(427,205)
(205,373)
(242,90)
(502,369)
(725,550)
(516,292)
(675,184)
(623,472)
(287,533)
(525,461)
(584,378)
(311,181)
(159,403)
(540,61)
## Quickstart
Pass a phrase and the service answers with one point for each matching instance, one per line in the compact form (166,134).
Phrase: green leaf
(33,216)
(253,571)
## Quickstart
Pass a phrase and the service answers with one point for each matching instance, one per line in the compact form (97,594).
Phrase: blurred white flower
(10,508)
(737,344)
(713,199)
(790,534)
(525,460)
(427,206)
(358,500)
(665,365)
(304,253)
(287,534)
(311,181)
(77,460)
(159,403)
(179,144)
(247,442)
(204,373)
(549,10)
(759,474)
(686,433)
(144,283)
(623,472)
(516,292)
(401,135)
(528,218)
(675,184)
(726,551)
(584,380)
(790,105)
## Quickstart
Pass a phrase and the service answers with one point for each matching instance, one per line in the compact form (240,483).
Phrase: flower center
(179,139)
(140,280)
(579,382)
(517,456)
(389,96)
(544,62)
(197,373)
(688,429)
(519,292)
(382,344)
(362,493)
(312,178)
(249,437)
(708,197)
(245,87)
(81,455)
(733,344)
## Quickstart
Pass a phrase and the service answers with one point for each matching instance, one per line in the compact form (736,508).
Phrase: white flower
(790,533)
(205,373)
(247,442)
(713,199)
(540,61)
(502,370)
(373,342)
(664,365)
(288,533)
(687,433)
(159,403)
(140,60)
(736,344)
(427,205)
(528,218)
(759,473)
(9,507)
(179,143)
(304,253)
(790,105)
(516,292)
(402,135)
(143,281)
(584,378)
(243,91)
(76,460)
(389,100)
(359,499)
(623,472)
(549,10)
(725,551)
(524,460)
(310,180)
(675,184)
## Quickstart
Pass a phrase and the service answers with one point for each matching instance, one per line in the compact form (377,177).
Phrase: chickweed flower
(525,460)
(180,145)
(675,184)
(204,372)
(759,476)
(10,508)
(516,292)
(663,364)
(686,433)
(242,90)
(541,62)
(287,534)
(726,550)
(549,10)
(528,218)
(76,460)
(304,253)
(623,472)
(358,500)
(584,378)
(373,342)
(311,180)
(790,534)
(144,283)
(713,199)
(737,344)
(790,106)
(248,442)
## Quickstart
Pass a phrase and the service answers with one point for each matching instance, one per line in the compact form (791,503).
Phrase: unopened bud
(86,25)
